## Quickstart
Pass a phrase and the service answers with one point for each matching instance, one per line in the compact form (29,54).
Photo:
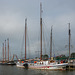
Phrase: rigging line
(47,33)
(22,45)
(10,54)
(71,42)
(28,44)
(53,44)
(53,48)
(1,53)
(44,40)
(47,36)
(46,29)
(38,43)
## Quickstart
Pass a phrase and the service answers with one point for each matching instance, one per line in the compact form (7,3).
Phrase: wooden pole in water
(8,49)
(25,35)
(5,50)
(41,31)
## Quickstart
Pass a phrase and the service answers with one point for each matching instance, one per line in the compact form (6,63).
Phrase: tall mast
(5,50)
(25,35)
(41,31)
(51,44)
(8,49)
(69,39)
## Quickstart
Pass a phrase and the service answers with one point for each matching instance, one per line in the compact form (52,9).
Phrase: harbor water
(13,70)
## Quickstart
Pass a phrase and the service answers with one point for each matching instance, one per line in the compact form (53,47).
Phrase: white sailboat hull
(51,66)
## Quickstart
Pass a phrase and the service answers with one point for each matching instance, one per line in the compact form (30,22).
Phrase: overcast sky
(55,12)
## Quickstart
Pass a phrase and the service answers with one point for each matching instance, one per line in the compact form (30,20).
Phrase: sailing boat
(10,62)
(21,63)
(48,64)
(7,62)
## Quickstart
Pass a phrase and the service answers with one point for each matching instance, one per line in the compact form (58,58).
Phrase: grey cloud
(57,13)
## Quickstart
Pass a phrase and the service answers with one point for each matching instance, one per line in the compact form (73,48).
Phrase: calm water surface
(13,70)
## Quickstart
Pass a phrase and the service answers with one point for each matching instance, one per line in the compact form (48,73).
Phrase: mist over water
(13,70)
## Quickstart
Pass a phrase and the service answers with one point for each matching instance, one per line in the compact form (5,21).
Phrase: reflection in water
(13,70)
(47,72)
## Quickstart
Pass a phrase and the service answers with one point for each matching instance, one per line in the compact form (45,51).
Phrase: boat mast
(69,39)
(25,35)
(41,31)
(51,44)
(3,52)
(8,49)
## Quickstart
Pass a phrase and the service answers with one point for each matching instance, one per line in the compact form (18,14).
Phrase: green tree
(45,57)
(72,55)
